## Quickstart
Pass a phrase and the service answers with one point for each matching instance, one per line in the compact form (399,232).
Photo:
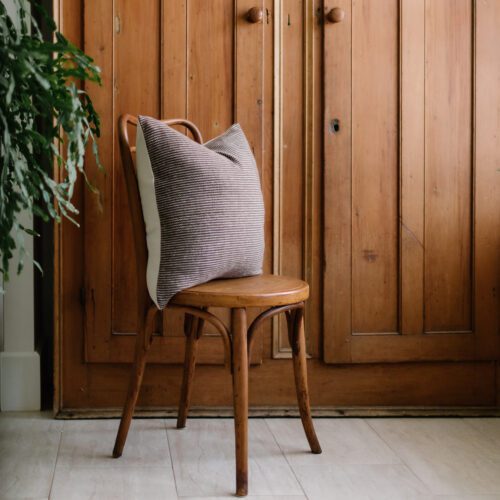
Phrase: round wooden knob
(255,15)
(336,15)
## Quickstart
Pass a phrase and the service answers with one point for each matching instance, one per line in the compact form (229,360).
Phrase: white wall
(19,363)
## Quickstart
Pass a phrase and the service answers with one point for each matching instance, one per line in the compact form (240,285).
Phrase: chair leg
(142,345)
(295,320)
(240,396)
(193,328)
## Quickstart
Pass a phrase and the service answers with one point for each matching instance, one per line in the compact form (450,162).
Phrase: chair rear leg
(193,329)
(142,345)
(240,396)
(295,320)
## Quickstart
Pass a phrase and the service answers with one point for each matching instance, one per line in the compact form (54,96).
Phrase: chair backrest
(138,227)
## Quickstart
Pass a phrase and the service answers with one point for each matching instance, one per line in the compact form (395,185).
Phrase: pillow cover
(202,206)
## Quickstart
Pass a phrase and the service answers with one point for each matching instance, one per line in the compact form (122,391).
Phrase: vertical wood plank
(98,214)
(375,166)
(412,148)
(292,154)
(267,127)
(248,84)
(267,170)
(173,97)
(210,60)
(312,212)
(337,188)
(174,58)
(487,182)
(136,92)
(293,139)
(314,316)
(290,169)
(277,221)
(448,168)
(68,258)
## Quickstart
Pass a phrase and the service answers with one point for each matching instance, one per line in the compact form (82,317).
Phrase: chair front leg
(240,396)
(296,335)
(142,345)
(192,329)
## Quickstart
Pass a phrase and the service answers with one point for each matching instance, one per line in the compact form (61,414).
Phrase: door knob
(255,15)
(336,15)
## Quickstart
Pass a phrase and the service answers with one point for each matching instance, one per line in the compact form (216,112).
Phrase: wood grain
(154,96)
(193,330)
(255,291)
(94,377)
(337,265)
(412,152)
(412,186)
(448,165)
(98,41)
(248,78)
(486,179)
(374,195)
(470,384)
(210,87)
(240,397)
(174,59)
(134,92)
(295,319)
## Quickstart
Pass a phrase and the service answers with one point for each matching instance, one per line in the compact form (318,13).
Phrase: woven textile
(202,206)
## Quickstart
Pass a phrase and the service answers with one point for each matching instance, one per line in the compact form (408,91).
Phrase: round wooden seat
(254,291)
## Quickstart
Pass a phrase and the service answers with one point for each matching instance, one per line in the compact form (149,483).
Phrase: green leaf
(37,86)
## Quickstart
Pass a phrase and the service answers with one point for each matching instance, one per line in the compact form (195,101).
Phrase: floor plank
(204,465)
(250,497)
(488,427)
(113,483)
(90,443)
(28,449)
(349,481)
(448,455)
(343,440)
(379,458)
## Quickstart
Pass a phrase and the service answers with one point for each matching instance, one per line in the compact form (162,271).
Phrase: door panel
(448,166)
(136,91)
(210,65)
(403,179)
(412,152)
(200,60)
(374,146)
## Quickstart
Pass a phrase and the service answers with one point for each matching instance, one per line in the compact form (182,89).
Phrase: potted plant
(39,83)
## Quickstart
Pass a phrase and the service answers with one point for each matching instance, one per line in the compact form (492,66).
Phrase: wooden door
(411,167)
(354,126)
(197,60)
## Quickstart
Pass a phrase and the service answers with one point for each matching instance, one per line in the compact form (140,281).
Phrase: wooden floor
(362,458)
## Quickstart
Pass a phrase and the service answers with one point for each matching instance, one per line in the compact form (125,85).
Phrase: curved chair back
(138,226)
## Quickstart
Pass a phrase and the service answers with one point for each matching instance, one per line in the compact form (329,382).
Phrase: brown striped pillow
(202,205)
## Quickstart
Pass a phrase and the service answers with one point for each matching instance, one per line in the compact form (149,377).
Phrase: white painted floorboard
(386,458)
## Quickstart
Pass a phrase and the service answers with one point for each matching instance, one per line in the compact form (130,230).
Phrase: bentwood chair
(277,294)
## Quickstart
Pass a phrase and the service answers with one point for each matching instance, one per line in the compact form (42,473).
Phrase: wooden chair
(278,294)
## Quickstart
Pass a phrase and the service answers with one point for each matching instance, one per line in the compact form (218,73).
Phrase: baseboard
(226,412)
(19,381)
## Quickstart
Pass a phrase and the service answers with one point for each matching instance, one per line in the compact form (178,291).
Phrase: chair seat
(254,291)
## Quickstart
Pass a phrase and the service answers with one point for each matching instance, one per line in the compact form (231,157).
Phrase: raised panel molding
(172,82)
(283,20)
